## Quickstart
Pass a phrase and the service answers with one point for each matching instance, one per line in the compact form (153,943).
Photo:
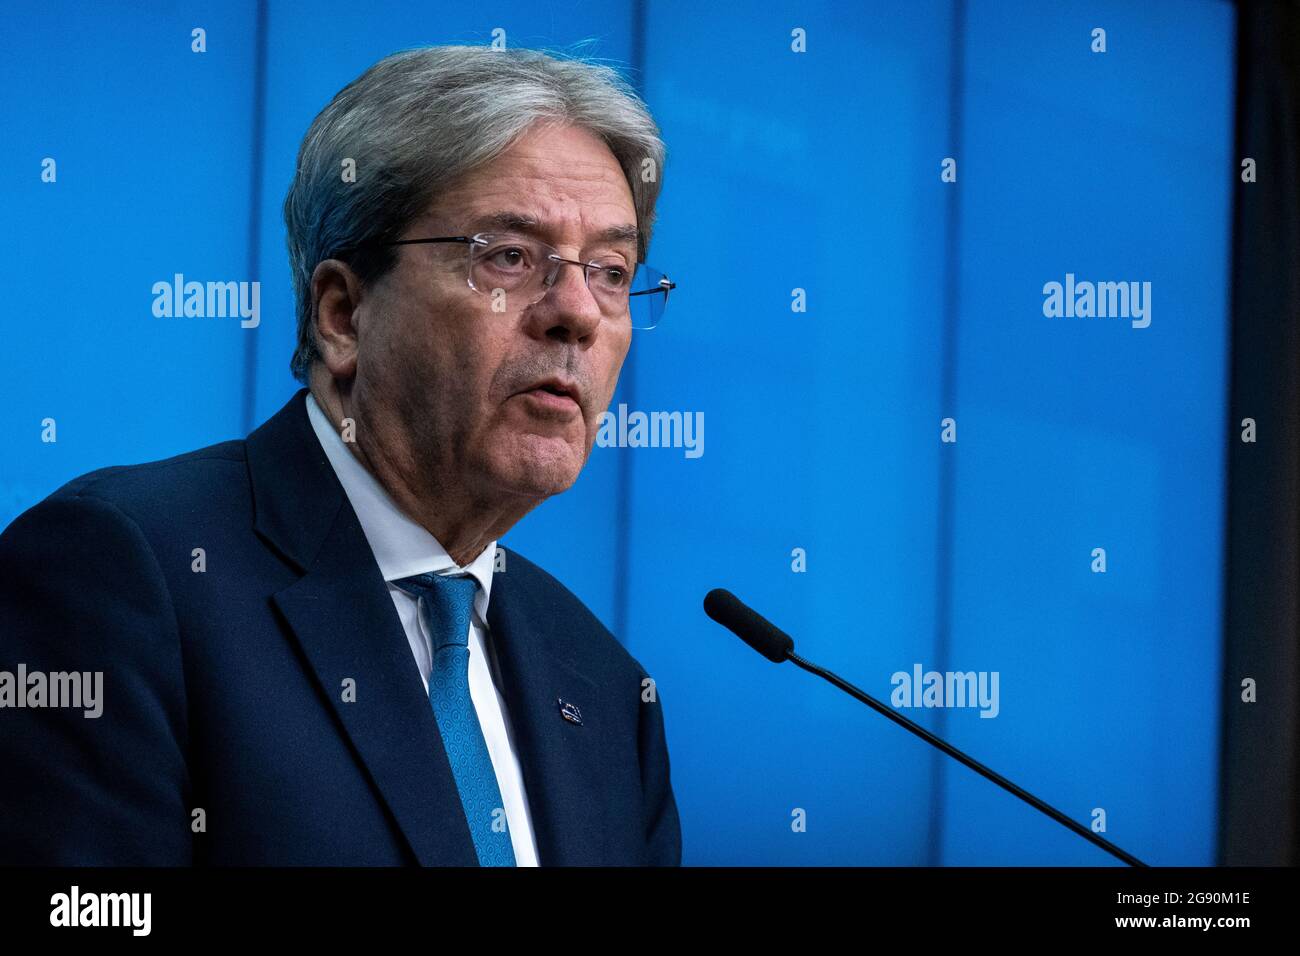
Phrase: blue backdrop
(838,300)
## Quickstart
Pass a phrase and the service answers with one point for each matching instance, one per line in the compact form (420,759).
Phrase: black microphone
(752,628)
(777,646)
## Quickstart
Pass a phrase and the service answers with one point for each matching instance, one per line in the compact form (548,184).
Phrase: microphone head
(747,624)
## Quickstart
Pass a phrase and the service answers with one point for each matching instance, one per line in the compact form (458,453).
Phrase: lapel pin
(570,712)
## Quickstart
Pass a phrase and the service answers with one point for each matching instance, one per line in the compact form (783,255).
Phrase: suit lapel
(342,617)
(563,763)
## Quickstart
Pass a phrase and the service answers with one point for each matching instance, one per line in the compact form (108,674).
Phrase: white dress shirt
(403,548)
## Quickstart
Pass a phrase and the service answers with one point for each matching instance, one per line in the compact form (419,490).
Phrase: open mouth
(558,387)
(553,397)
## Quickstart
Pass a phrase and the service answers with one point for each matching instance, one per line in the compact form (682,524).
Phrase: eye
(613,275)
(508,258)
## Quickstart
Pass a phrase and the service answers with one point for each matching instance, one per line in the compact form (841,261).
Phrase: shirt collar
(402,547)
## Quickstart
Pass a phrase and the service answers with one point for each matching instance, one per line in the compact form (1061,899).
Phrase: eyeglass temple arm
(664,286)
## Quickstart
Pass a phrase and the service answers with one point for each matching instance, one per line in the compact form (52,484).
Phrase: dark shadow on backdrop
(1261,741)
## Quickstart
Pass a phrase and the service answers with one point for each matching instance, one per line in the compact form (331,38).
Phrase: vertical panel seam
(948,401)
(623,482)
(257,164)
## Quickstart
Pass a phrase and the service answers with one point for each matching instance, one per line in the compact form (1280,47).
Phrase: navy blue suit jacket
(224,689)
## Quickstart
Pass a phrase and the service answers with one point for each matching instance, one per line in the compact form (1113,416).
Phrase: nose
(568,311)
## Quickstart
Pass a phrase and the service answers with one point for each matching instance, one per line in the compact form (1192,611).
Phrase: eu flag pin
(570,712)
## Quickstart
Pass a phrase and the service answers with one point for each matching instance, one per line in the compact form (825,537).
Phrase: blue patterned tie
(445,603)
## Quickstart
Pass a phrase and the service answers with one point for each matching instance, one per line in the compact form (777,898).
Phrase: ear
(336,293)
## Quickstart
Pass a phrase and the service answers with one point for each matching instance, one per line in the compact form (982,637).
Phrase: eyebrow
(529,225)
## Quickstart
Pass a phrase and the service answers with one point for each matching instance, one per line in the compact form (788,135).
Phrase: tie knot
(447,601)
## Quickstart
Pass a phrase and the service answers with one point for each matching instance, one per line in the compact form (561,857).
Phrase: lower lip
(543,399)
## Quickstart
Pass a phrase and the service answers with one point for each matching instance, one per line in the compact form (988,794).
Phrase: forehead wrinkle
(515,192)
(529,224)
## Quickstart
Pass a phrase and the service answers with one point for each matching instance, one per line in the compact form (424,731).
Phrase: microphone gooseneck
(777,646)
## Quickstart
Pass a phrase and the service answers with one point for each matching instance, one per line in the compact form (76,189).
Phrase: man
(312,649)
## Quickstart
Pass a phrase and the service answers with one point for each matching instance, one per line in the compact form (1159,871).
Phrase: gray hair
(420,118)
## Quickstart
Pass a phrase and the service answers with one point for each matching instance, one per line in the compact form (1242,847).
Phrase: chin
(541,467)
(541,482)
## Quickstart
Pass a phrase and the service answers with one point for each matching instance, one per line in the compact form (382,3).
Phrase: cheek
(394,331)
(415,356)
(614,362)
(440,339)
(477,378)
